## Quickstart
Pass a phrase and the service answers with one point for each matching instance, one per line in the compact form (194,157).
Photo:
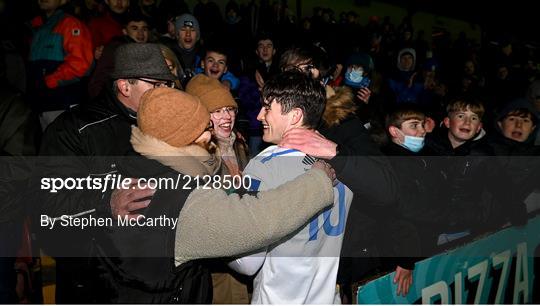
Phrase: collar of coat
(192,160)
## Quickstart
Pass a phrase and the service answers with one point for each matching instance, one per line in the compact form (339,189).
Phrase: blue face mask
(354,76)
(413,144)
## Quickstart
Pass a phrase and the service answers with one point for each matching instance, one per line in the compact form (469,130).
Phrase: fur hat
(140,60)
(172,116)
(187,20)
(211,92)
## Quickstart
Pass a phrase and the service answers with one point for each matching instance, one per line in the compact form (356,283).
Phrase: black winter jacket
(360,165)
(482,195)
(138,262)
(94,140)
(422,195)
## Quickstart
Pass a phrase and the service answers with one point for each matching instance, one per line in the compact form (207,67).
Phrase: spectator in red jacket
(108,25)
(60,55)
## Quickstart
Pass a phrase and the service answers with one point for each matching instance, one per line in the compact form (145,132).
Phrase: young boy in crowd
(516,124)
(405,127)
(266,52)
(470,172)
(462,130)
(214,65)
(266,65)
(517,121)
(421,184)
(302,269)
(135,29)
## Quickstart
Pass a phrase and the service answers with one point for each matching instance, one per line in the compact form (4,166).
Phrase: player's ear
(297,116)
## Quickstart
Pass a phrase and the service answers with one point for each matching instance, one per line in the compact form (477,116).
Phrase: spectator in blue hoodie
(405,84)
(214,65)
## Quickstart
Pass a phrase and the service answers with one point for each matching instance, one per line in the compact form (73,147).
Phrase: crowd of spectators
(451,116)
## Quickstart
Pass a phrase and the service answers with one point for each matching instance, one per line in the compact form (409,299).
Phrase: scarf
(192,160)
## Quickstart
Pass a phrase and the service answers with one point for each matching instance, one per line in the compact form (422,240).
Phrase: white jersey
(302,268)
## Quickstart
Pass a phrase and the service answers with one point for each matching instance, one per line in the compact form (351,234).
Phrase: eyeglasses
(219,113)
(157,84)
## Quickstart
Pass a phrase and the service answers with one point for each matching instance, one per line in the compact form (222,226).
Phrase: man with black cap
(99,128)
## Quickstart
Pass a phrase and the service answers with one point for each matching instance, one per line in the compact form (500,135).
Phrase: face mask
(354,75)
(412,143)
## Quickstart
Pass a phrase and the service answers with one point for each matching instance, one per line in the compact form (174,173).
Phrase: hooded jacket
(403,89)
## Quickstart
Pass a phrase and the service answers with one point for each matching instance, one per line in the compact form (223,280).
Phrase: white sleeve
(248,265)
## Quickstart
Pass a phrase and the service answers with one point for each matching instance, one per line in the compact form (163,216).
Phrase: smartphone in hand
(364,83)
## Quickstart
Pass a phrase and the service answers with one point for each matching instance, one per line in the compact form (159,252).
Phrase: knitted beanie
(187,20)
(172,116)
(211,92)
(361,58)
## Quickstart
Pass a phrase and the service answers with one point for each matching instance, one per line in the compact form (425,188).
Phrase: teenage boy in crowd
(415,223)
(302,268)
(135,29)
(513,140)
(249,94)
(405,86)
(478,185)
(266,51)
(186,48)
(214,65)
